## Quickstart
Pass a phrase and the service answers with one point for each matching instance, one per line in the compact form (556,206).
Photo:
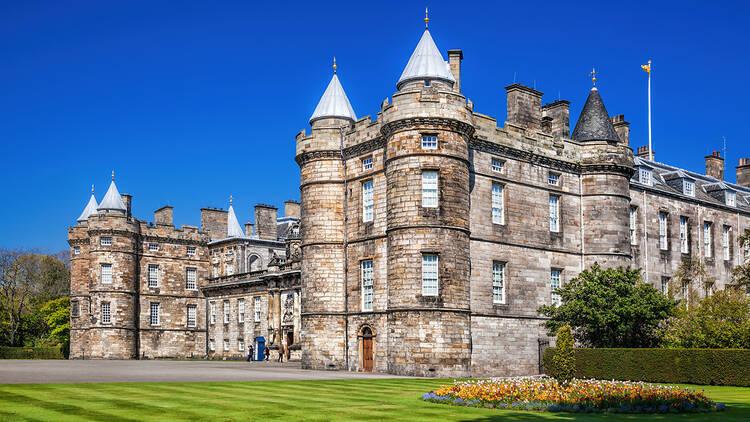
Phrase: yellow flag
(647,68)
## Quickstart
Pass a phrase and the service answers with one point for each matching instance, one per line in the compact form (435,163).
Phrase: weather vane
(92,189)
(113,175)
(593,75)
(426,18)
(334,64)
(230,199)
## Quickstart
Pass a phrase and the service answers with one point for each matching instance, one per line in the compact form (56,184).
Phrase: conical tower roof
(112,199)
(426,63)
(334,103)
(233,226)
(594,123)
(90,208)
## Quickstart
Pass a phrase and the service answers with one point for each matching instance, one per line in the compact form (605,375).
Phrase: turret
(427,129)
(607,165)
(322,194)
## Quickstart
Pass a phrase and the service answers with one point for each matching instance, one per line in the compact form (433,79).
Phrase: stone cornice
(626,171)
(364,147)
(465,129)
(306,157)
(503,150)
(79,241)
(174,240)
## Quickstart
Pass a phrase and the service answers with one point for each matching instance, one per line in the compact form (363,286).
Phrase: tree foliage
(692,278)
(717,322)
(609,308)
(564,360)
(741,273)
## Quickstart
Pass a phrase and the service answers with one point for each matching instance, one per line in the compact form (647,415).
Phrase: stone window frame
(427,188)
(152,282)
(188,271)
(429,141)
(241,310)
(555,274)
(190,250)
(154,319)
(110,275)
(554,178)
(77,250)
(633,224)
(153,247)
(684,234)
(227,310)
(554,217)
(257,309)
(241,344)
(426,283)
(363,279)
(229,268)
(250,262)
(212,312)
(726,242)
(708,239)
(663,238)
(75,308)
(194,322)
(497,165)
(105,310)
(368,163)
(105,241)
(368,207)
(501,204)
(503,282)
(212,345)
(226,345)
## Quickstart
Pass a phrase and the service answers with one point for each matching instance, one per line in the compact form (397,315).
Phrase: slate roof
(89,210)
(334,103)
(233,226)
(112,199)
(594,123)
(707,189)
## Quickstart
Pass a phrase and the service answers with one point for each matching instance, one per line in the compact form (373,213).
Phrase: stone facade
(562,204)
(156,282)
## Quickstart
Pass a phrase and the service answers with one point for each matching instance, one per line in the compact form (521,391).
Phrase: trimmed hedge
(689,366)
(31,353)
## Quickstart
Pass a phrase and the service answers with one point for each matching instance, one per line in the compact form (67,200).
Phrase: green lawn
(375,400)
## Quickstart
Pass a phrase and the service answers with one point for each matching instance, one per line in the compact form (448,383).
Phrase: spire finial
(426,18)
(92,189)
(593,76)
(334,64)
(230,199)
(113,175)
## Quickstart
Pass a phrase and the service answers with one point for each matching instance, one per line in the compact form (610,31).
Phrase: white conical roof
(89,210)
(233,226)
(426,62)
(112,199)
(334,103)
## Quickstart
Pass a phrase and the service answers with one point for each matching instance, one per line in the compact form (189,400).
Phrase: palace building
(424,242)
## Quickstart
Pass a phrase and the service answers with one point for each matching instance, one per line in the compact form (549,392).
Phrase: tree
(563,360)
(691,277)
(56,314)
(18,275)
(609,308)
(717,322)
(741,273)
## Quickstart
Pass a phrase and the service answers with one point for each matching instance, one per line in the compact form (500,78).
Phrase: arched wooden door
(367,360)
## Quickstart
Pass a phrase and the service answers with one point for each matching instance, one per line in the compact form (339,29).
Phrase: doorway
(367,358)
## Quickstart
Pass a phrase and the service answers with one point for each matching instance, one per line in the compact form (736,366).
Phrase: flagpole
(650,149)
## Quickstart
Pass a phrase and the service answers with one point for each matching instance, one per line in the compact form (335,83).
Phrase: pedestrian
(281,352)
(250,351)
(265,352)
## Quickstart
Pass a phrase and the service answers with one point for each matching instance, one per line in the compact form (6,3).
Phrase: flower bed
(546,394)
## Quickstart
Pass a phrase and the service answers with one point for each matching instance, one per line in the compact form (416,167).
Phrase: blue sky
(190,102)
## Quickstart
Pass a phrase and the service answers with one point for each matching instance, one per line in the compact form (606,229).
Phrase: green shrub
(563,361)
(31,352)
(690,366)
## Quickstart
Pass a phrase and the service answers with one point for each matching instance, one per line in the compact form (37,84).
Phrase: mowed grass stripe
(333,400)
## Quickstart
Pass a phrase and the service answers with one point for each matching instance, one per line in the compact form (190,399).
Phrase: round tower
(427,130)
(113,280)
(322,230)
(606,166)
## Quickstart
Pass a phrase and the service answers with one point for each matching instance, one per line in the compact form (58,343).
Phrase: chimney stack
(214,222)
(559,111)
(642,152)
(454,61)
(128,201)
(524,106)
(743,172)
(715,165)
(292,209)
(249,229)
(622,128)
(163,216)
(265,222)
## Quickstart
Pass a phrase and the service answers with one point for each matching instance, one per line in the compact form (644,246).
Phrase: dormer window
(645,176)
(688,187)
(731,198)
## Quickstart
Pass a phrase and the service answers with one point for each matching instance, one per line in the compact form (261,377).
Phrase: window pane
(367,201)
(367,285)
(554,213)
(498,205)
(429,142)
(106,315)
(429,275)
(498,283)
(430,188)
(153,275)
(554,285)
(191,278)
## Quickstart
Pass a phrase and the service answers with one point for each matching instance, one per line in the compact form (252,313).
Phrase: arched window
(254,263)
